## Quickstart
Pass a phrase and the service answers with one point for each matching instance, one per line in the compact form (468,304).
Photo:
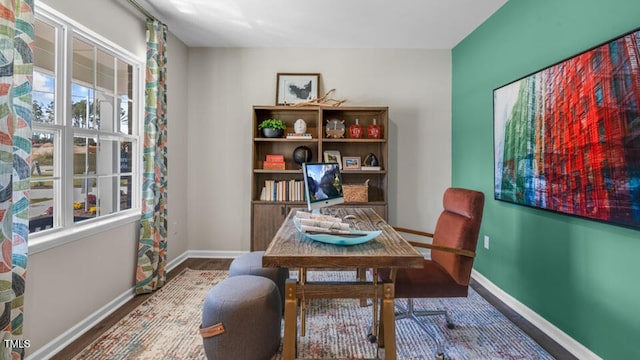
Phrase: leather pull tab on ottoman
(212,331)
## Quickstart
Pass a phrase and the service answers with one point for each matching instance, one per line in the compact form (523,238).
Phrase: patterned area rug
(166,326)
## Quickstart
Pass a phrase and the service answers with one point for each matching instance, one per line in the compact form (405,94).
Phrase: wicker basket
(356,192)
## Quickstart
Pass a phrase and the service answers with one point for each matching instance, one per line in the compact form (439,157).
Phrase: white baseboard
(59,343)
(214,254)
(177,261)
(53,347)
(559,336)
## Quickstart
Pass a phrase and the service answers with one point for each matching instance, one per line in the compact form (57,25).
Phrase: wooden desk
(290,249)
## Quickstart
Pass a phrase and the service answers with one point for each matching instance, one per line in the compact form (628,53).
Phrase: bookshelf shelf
(267,171)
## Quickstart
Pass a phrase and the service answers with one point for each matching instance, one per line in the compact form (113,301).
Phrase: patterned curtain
(150,272)
(16,75)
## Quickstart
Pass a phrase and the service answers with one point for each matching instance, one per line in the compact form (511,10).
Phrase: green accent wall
(580,275)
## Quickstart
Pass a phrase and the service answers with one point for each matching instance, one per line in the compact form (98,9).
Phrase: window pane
(125,192)
(43,98)
(105,74)
(81,106)
(125,107)
(83,59)
(85,198)
(41,205)
(84,155)
(125,156)
(104,112)
(42,154)
(125,80)
(44,49)
(107,158)
(108,191)
(125,95)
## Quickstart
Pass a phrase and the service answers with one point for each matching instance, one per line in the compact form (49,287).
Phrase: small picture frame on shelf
(332,156)
(293,88)
(351,163)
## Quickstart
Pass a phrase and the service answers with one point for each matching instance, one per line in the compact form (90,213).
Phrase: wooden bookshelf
(267,216)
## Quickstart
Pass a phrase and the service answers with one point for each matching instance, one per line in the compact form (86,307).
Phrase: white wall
(68,283)
(177,118)
(224,84)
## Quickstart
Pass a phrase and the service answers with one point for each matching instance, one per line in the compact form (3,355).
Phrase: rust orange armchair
(448,272)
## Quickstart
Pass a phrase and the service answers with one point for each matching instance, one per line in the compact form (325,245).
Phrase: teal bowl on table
(354,237)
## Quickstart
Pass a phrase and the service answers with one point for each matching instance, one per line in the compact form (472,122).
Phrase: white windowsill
(39,242)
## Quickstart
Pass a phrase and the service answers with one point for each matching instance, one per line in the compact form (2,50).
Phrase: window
(602,133)
(596,60)
(613,52)
(85,137)
(599,96)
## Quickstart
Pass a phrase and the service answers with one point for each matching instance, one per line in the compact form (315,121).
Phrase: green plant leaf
(272,124)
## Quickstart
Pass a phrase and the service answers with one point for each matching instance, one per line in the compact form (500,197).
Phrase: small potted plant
(272,128)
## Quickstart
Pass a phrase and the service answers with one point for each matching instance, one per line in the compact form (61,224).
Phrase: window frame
(65,229)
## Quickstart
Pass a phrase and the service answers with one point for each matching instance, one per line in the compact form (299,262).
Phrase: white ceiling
(409,24)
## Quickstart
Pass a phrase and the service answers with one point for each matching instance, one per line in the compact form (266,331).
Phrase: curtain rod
(143,11)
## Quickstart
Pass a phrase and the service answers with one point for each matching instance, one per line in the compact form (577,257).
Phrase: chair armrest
(462,252)
(414,232)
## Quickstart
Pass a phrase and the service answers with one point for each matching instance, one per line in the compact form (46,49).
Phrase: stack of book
(274,162)
(282,190)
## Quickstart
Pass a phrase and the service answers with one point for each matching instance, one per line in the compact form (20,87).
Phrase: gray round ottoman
(251,264)
(241,319)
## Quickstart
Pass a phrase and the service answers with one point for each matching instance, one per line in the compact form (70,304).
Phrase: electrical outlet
(486,242)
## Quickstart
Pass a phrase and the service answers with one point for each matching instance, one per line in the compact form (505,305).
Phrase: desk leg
(302,279)
(362,277)
(388,325)
(290,339)
(374,326)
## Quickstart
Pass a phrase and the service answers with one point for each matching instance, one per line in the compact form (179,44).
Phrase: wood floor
(83,341)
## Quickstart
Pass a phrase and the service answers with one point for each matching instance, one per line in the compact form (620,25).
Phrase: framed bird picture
(296,88)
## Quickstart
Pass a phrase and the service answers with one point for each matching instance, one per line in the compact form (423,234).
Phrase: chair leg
(450,323)
(409,312)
